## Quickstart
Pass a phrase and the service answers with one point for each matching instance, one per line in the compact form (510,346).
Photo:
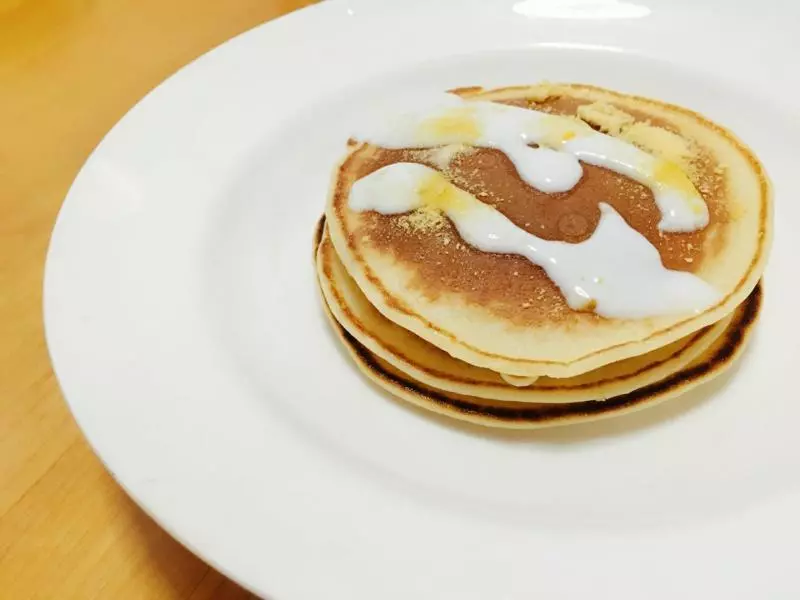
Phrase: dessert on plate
(539,255)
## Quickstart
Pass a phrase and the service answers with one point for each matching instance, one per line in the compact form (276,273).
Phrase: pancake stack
(542,255)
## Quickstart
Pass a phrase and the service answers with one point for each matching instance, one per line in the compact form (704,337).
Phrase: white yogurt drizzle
(616,271)
(552,167)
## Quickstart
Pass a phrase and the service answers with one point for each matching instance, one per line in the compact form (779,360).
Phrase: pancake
(434,368)
(500,311)
(515,415)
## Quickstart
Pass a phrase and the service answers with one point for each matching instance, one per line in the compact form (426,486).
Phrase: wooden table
(69,69)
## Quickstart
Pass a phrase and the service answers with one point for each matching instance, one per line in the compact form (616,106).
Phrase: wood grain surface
(69,69)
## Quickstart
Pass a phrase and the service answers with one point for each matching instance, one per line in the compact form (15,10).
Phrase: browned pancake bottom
(509,414)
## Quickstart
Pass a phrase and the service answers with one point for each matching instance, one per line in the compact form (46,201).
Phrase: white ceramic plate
(186,331)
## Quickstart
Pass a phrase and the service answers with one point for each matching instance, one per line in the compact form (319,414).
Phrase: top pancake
(501,311)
